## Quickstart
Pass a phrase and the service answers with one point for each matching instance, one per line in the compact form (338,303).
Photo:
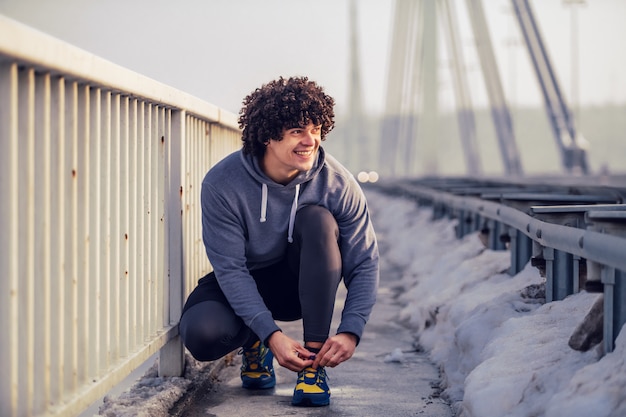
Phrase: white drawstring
(263,203)
(292,215)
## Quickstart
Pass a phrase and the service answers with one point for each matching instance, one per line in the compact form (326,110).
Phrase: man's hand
(289,353)
(335,350)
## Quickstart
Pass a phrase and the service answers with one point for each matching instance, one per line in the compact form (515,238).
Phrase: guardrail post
(576,274)
(500,235)
(520,247)
(477,222)
(548,256)
(496,230)
(439,210)
(593,281)
(608,279)
(513,248)
(461,224)
(619,302)
(563,274)
(614,305)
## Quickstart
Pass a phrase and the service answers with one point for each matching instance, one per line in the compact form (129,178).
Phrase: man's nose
(309,138)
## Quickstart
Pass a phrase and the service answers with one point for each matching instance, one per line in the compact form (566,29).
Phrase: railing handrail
(22,43)
(592,245)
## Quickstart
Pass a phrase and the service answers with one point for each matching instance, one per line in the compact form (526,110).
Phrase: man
(283,222)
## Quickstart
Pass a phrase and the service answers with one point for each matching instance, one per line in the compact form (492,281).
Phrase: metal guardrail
(576,235)
(100,174)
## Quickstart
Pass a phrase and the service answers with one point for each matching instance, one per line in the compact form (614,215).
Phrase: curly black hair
(283,104)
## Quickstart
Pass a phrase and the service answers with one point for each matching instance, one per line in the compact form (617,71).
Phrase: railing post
(614,305)
(576,274)
(495,235)
(619,303)
(171,356)
(551,288)
(460,226)
(521,248)
(608,279)
(9,395)
(564,274)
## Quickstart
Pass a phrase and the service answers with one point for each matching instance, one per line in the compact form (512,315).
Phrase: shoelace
(252,357)
(321,374)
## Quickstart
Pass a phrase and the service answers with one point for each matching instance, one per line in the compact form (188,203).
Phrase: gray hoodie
(247,221)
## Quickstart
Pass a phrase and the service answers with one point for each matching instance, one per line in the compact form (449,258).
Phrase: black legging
(302,286)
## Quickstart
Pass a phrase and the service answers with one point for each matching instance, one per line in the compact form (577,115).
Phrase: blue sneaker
(257,369)
(311,389)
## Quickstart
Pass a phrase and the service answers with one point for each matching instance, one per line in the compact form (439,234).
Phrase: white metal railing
(100,173)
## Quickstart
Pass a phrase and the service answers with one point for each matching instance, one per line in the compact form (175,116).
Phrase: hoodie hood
(251,164)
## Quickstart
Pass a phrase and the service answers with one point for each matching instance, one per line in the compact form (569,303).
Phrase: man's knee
(206,339)
(198,340)
(316,219)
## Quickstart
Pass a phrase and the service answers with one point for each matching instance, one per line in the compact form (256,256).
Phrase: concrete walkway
(364,386)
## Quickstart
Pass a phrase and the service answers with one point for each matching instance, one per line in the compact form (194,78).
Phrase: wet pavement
(364,386)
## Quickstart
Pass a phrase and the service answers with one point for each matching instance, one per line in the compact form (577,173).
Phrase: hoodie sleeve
(223,233)
(360,258)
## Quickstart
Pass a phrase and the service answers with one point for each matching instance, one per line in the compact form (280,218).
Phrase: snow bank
(153,396)
(502,350)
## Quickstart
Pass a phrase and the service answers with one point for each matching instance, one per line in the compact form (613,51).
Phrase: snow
(152,395)
(501,349)
(396,355)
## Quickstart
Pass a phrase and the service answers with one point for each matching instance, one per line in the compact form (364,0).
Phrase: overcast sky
(220,50)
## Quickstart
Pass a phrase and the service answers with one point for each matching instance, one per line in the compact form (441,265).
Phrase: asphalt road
(364,386)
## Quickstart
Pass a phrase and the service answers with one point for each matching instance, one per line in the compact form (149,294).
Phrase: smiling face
(295,152)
